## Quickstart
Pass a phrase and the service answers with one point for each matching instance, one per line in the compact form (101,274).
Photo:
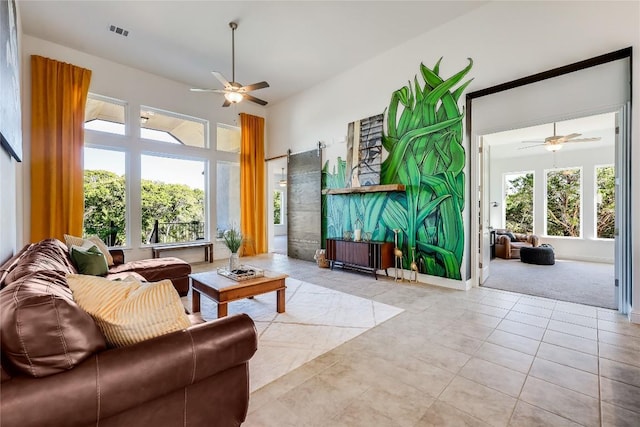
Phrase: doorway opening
(589,87)
(277,205)
(552,187)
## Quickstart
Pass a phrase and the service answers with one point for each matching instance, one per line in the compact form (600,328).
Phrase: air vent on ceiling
(119,30)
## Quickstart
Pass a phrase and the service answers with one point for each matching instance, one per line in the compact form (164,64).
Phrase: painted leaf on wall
(423,141)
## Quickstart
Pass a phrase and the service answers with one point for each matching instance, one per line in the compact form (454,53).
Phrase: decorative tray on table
(243,272)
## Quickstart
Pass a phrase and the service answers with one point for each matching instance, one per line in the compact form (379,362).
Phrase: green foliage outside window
(277,207)
(519,203)
(104,202)
(104,194)
(563,203)
(605,202)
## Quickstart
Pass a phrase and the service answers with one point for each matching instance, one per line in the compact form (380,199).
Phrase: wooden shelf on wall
(365,189)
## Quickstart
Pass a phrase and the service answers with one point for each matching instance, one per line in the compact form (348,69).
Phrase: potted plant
(233,241)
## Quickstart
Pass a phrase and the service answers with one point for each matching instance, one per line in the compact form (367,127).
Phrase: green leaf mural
(423,141)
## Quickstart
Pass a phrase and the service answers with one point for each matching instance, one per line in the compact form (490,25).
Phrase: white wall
(586,248)
(8,183)
(507,40)
(137,88)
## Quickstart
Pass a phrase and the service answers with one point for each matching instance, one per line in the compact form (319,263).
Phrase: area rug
(581,282)
(316,321)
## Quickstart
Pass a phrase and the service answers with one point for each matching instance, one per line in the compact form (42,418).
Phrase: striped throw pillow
(129,311)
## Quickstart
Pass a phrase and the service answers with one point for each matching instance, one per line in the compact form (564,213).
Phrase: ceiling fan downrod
(233,27)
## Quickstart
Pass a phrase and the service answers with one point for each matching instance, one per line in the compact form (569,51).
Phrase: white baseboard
(459,285)
(634,316)
(585,259)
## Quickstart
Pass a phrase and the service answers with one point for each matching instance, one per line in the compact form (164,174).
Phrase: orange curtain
(252,193)
(58,98)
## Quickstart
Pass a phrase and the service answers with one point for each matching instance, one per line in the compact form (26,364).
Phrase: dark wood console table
(360,256)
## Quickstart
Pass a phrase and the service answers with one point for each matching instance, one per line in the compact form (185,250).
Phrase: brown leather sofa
(56,369)
(508,244)
(153,270)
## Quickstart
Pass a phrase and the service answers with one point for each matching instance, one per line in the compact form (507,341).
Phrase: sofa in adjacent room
(508,244)
(59,368)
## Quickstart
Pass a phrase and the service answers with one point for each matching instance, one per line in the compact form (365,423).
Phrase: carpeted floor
(575,281)
(316,320)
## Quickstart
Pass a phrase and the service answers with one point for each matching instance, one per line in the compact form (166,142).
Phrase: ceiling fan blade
(254,99)
(226,103)
(585,139)
(255,86)
(532,146)
(193,89)
(221,78)
(570,136)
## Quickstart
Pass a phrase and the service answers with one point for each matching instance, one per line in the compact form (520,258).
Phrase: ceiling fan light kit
(233,91)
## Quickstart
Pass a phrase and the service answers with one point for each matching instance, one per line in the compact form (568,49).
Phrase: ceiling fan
(555,142)
(233,91)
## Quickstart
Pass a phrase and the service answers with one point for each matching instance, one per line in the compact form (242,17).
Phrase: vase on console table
(234,261)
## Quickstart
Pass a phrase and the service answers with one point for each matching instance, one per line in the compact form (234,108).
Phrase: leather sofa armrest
(116,380)
(534,240)
(503,239)
(118,256)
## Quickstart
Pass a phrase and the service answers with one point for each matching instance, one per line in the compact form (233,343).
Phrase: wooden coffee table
(223,290)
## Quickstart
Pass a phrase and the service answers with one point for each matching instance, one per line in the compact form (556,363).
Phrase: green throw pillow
(89,261)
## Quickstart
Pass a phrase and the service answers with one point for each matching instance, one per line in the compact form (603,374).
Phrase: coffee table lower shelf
(224,290)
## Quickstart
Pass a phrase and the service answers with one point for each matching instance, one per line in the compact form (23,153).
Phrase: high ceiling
(290,44)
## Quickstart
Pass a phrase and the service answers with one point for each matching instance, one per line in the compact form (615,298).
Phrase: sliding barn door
(303,207)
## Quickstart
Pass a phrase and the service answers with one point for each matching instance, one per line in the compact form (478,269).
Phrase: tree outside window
(104,195)
(172,199)
(563,202)
(606,202)
(277,207)
(519,202)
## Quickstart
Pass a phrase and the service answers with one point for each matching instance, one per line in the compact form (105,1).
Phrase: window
(228,138)
(228,196)
(104,114)
(518,202)
(277,207)
(173,128)
(104,195)
(564,189)
(605,202)
(173,199)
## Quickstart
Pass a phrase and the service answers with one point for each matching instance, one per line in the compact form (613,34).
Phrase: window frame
(123,103)
(204,122)
(229,160)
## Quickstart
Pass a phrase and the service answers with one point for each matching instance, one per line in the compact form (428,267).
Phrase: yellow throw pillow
(129,311)
(87,243)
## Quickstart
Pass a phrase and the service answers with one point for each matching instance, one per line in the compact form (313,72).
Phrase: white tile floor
(316,320)
(453,358)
